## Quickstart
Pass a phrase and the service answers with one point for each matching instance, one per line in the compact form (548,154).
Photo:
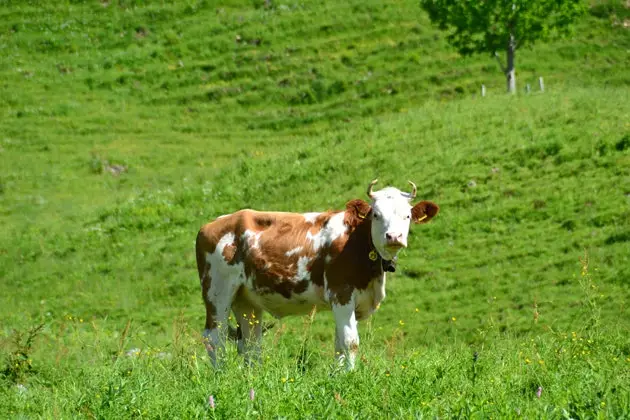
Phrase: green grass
(299,113)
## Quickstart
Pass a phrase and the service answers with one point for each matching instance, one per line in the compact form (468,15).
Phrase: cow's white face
(391,216)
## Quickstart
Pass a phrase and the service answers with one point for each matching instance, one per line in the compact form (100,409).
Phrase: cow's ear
(356,212)
(424,211)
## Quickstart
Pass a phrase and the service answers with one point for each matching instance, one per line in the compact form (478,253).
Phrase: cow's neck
(386,265)
(365,230)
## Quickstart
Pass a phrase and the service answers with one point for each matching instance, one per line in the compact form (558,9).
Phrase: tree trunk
(510,71)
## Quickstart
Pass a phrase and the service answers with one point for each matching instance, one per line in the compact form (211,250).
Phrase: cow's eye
(377,216)
(408,216)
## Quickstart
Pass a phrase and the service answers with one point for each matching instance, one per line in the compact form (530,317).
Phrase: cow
(251,262)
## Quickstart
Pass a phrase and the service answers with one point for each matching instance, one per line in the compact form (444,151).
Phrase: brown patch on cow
(424,211)
(200,250)
(357,212)
(350,267)
(317,267)
(228,253)
(301,287)
(269,265)
(211,310)
(210,234)
(262,221)
(275,272)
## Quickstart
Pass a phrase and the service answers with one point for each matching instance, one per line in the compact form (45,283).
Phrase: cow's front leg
(346,334)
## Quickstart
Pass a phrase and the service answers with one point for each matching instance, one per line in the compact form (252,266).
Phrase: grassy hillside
(255,67)
(126,126)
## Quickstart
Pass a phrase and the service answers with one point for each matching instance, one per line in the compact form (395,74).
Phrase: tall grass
(93,370)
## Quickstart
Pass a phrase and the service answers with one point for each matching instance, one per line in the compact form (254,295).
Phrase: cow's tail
(201,258)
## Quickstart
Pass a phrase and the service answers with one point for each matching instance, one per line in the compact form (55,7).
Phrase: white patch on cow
(302,271)
(346,334)
(379,291)
(222,216)
(226,279)
(316,239)
(252,238)
(311,217)
(294,251)
(333,230)
(335,227)
(327,259)
(221,273)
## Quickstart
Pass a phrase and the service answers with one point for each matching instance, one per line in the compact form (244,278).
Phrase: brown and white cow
(287,263)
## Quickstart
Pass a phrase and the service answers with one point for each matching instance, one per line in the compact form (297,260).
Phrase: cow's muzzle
(395,241)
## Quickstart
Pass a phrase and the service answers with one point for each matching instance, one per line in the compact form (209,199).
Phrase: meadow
(126,125)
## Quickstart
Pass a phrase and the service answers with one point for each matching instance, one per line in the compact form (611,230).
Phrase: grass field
(126,126)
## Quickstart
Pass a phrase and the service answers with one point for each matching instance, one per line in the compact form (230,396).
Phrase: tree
(489,26)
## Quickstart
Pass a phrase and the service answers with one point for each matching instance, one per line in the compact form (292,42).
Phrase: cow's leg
(249,319)
(346,334)
(218,293)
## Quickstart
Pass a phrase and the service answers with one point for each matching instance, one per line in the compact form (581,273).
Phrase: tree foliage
(486,25)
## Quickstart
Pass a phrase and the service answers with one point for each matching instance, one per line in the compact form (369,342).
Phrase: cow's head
(391,216)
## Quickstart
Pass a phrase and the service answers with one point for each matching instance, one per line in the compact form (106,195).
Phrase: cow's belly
(280,306)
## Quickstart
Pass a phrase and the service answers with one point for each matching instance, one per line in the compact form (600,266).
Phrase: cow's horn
(414,190)
(370,193)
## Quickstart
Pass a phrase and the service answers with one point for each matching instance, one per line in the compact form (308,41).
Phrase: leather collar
(388,265)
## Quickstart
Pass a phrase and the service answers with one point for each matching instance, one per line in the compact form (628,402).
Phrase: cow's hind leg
(249,319)
(218,294)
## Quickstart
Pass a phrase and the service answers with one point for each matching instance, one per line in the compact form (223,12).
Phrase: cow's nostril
(392,237)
